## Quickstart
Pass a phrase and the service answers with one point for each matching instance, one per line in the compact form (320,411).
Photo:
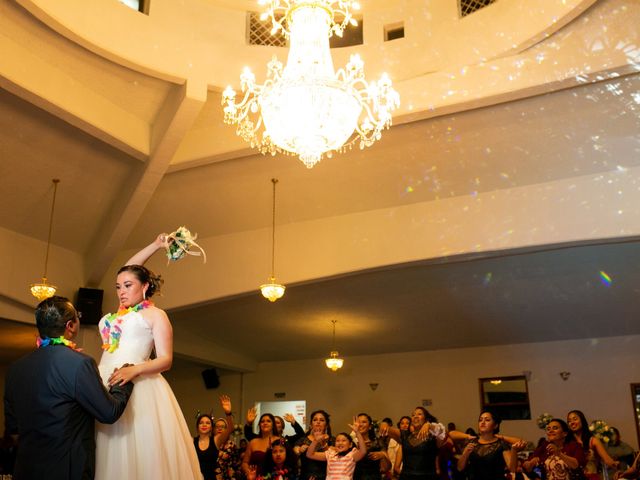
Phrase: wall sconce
(373,386)
(565,375)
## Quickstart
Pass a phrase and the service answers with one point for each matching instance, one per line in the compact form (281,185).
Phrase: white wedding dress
(151,439)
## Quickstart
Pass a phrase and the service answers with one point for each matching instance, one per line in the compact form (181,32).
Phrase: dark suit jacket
(52,398)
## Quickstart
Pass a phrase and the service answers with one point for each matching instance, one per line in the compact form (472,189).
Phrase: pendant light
(44,290)
(334,363)
(272,290)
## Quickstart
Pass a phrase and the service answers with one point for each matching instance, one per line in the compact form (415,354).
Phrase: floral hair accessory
(543,420)
(179,244)
(112,329)
(601,431)
(46,341)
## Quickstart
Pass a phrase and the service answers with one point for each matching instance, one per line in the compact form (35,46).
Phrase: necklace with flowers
(46,341)
(112,329)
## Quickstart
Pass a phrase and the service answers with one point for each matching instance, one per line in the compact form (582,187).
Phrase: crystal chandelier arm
(279,12)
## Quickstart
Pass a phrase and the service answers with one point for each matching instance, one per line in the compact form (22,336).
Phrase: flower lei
(112,330)
(46,341)
(277,474)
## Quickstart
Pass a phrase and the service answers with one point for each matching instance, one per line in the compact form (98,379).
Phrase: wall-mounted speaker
(211,379)
(89,303)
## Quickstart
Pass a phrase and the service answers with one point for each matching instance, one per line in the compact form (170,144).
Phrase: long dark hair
(144,275)
(585,433)
(497,420)
(327,418)
(200,417)
(427,416)
(274,431)
(290,461)
(372,431)
(402,418)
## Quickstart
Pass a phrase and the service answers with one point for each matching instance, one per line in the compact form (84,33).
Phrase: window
(141,6)
(393,31)
(298,408)
(467,7)
(259,32)
(507,396)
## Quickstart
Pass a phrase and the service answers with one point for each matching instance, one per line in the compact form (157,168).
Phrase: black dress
(486,461)
(208,459)
(312,468)
(418,457)
(367,469)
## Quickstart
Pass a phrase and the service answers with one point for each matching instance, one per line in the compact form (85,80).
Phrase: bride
(151,439)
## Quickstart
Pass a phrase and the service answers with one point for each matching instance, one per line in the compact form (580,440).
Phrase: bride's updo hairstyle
(144,275)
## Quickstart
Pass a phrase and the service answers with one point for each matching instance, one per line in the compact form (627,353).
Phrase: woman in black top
(376,460)
(419,446)
(320,422)
(487,457)
(207,444)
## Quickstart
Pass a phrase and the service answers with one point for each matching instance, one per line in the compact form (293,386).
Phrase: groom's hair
(52,315)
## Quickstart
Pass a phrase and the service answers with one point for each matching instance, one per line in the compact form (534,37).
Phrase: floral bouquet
(543,420)
(601,431)
(179,244)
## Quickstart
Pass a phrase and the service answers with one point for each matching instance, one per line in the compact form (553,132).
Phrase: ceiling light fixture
(306,108)
(45,290)
(334,362)
(272,290)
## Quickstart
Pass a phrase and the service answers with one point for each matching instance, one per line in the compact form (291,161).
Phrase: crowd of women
(416,448)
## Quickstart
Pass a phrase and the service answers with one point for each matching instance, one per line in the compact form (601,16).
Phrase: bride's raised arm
(143,255)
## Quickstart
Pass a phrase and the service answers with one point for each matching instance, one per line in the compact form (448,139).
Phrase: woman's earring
(144,294)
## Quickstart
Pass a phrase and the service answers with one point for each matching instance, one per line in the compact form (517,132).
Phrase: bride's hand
(163,240)
(123,375)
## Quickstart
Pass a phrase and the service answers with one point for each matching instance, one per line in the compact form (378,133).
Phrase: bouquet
(601,431)
(543,420)
(179,244)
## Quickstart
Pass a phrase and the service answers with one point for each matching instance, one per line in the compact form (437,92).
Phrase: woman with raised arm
(487,457)
(341,459)
(256,452)
(210,442)
(559,454)
(310,468)
(151,439)
(594,450)
(376,461)
(420,445)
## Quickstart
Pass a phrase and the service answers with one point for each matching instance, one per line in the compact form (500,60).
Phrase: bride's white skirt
(151,439)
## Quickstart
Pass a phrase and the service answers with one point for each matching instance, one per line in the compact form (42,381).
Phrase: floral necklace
(46,341)
(112,329)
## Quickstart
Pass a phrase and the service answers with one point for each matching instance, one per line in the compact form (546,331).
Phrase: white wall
(601,371)
(185,378)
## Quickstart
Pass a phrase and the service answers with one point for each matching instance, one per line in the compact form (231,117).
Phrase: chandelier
(334,362)
(272,291)
(306,108)
(44,290)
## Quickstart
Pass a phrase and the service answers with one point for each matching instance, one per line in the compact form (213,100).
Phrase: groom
(53,397)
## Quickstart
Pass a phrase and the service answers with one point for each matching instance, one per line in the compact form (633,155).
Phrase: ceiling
(561,293)
(137,156)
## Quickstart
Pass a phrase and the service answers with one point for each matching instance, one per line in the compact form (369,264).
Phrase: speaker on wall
(210,377)
(89,303)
